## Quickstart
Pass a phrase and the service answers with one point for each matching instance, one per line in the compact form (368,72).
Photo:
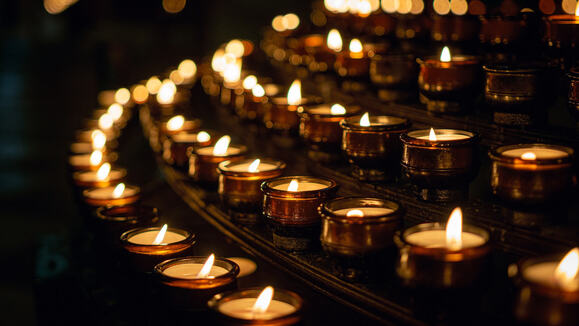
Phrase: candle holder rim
(353,123)
(211,133)
(101,212)
(351,110)
(190,237)
(518,278)
(496,154)
(267,189)
(561,18)
(407,138)
(162,266)
(122,171)
(326,212)
(499,68)
(223,166)
(434,61)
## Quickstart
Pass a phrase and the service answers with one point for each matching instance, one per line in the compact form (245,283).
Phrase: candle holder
(395,76)
(178,147)
(542,304)
(89,179)
(78,148)
(545,176)
(562,35)
(111,221)
(82,162)
(573,97)
(440,170)
(239,188)
(188,126)
(448,87)
(219,307)
(358,226)
(203,164)
(85,135)
(251,107)
(96,197)
(352,65)
(190,293)
(143,256)
(282,117)
(373,151)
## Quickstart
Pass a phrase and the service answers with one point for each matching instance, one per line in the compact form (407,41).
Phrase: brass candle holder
(111,221)
(203,162)
(395,76)
(111,196)
(373,147)
(531,173)
(282,117)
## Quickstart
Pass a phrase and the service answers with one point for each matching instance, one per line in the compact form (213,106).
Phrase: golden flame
(206,269)
(263,300)
(167,91)
(258,91)
(160,236)
(218,60)
(294,95)
(577,9)
(221,146)
(432,135)
(365,120)
(119,190)
(454,230)
(153,85)
(337,109)
(232,71)
(96,158)
(363,8)
(445,55)
(529,156)
(176,77)
(404,6)
(115,110)
(176,123)
(103,172)
(203,136)
(140,94)
(105,121)
(249,82)
(187,68)
(355,46)
(355,213)
(334,40)
(567,270)
(122,96)
(254,166)
(235,47)
(293,185)
(99,139)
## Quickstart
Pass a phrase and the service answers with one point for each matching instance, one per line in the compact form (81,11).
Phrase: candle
(281,113)
(352,63)
(295,186)
(363,211)
(203,161)
(243,309)
(114,220)
(394,74)
(149,237)
(533,153)
(118,195)
(182,144)
(447,135)
(189,270)
(90,161)
(103,177)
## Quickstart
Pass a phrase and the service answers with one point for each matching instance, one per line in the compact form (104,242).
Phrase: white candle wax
(243,309)
(383,121)
(231,150)
(190,271)
(437,239)
(107,192)
(302,186)
(244,167)
(540,153)
(91,176)
(445,137)
(544,273)
(147,237)
(368,211)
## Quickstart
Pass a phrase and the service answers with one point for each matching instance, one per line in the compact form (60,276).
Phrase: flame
(258,91)
(293,185)
(337,109)
(103,172)
(203,136)
(364,8)
(232,71)
(334,40)
(167,91)
(99,139)
(119,190)
(530,156)
(404,6)
(294,95)
(153,85)
(355,46)
(432,135)
(160,236)
(445,55)
(567,270)
(221,146)
(263,300)
(176,77)
(122,96)
(206,269)
(105,121)
(96,158)
(235,47)
(115,110)
(577,9)
(389,6)
(218,60)
(176,123)
(187,68)
(454,230)
(365,120)
(355,213)
(337,6)
(249,82)
(140,94)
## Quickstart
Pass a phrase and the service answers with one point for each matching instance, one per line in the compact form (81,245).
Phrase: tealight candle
(90,161)
(114,220)
(352,63)
(103,177)
(178,147)
(118,195)
(203,161)
(531,173)
(281,112)
(177,124)
(434,256)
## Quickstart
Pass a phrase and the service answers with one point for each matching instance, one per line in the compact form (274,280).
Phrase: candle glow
(258,91)
(334,40)
(221,146)
(567,270)
(99,139)
(232,71)
(263,300)
(103,172)
(105,121)
(432,135)
(254,166)
(160,236)
(96,158)
(235,47)
(249,82)
(529,156)
(337,109)
(356,48)
(122,96)
(153,85)
(445,55)
(454,230)
(218,60)
(115,110)
(203,136)
(355,213)
(294,94)
(365,120)
(119,190)
(167,91)
(293,185)
(176,123)
(206,269)
(187,68)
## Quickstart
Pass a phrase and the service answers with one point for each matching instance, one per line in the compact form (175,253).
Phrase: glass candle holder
(573,95)
(373,151)
(353,65)
(531,173)
(235,308)
(90,179)
(283,117)
(539,299)
(394,74)
(440,169)
(143,255)
(106,196)
(182,289)
(425,261)
(239,186)
(447,87)
(203,164)
(111,221)
(359,226)
(178,147)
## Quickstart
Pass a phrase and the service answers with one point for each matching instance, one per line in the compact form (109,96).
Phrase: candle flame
(355,46)
(160,236)
(263,300)
(577,9)
(105,121)
(203,136)
(249,82)
(454,230)
(293,185)
(529,156)
(187,68)
(99,139)
(103,172)
(206,269)
(567,270)
(294,95)
(365,120)
(167,91)
(355,213)
(232,71)
(153,85)
(334,40)
(115,110)
(96,158)
(432,135)
(122,96)
(254,166)
(176,123)
(258,91)
(445,55)
(119,190)
(218,60)
(337,6)
(221,146)
(337,109)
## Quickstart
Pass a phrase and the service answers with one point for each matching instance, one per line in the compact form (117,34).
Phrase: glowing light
(454,230)
(140,94)
(176,123)
(254,166)
(187,68)
(221,146)
(160,236)
(389,6)
(567,270)
(337,6)
(293,185)
(364,8)
(96,157)
(263,301)
(203,137)
(278,23)
(294,94)
(218,60)
(334,40)
(174,6)
(176,77)
(441,7)
(235,47)
(355,213)
(459,7)
(103,172)
(206,269)
(529,156)
(166,93)
(258,91)
(445,55)
(55,7)
(365,120)
(432,135)
(99,139)
(232,72)
(122,96)
(153,85)
(119,190)
(404,6)
(249,82)
(105,121)
(417,7)
(115,110)
(577,9)
(337,109)
(355,46)
(291,21)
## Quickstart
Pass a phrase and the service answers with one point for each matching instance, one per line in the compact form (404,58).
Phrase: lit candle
(556,274)
(203,161)
(120,193)
(156,237)
(334,40)
(103,177)
(221,148)
(90,161)
(190,270)
(281,114)
(356,50)
(446,135)
(353,63)
(363,211)
(533,153)
(294,186)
